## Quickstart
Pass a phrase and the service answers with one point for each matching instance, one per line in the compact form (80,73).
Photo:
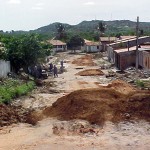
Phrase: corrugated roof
(125,49)
(126,40)
(145,46)
(56,42)
(91,43)
(107,39)
(127,37)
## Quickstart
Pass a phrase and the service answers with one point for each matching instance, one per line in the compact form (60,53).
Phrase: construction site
(91,105)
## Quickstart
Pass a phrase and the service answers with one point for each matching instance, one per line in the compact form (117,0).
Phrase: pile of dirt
(121,86)
(100,105)
(12,114)
(85,60)
(90,72)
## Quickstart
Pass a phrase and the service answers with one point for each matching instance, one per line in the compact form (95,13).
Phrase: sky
(32,14)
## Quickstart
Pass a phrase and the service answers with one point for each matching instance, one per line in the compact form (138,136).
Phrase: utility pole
(137,43)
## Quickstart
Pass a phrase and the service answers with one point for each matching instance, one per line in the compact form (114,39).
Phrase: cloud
(14,1)
(89,3)
(38,6)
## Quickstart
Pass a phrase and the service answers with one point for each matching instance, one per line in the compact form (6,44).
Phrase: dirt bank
(90,72)
(12,114)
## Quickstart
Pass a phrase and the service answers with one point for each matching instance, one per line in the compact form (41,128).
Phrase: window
(59,46)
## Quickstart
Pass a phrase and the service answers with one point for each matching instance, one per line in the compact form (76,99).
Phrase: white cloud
(38,6)
(89,3)
(14,2)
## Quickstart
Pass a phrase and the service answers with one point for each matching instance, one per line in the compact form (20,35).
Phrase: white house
(4,68)
(90,46)
(58,45)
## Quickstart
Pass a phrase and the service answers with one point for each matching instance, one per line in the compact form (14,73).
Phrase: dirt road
(123,136)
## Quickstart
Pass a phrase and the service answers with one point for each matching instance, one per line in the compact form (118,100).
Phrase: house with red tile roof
(58,45)
(90,46)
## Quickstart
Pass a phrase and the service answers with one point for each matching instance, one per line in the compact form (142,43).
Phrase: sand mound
(121,86)
(84,61)
(11,114)
(100,105)
(90,72)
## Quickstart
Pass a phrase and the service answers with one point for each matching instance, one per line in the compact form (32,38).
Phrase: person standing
(50,67)
(62,63)
(55,71)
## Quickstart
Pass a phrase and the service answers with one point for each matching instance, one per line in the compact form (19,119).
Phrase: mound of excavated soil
(121,86)
(84,61)
(11,114)
(90,72)
(100,105)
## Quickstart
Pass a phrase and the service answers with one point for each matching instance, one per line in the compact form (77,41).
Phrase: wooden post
(137,43)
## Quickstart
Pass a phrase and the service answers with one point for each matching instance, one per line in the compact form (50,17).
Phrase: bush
(11,89)
(140,83)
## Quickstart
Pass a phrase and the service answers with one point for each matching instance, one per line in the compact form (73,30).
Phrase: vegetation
(140,83)
(75,41)
(10,89)
(61,34)
(24,50)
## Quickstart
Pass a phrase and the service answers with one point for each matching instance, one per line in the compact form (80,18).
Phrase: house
(4,65)
(126,57)
(4,68)
(121,44)
(144,57)
(90,46)
(58,45)
(123,53)
(107,40)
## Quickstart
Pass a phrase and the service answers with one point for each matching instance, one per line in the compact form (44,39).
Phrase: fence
(4,68)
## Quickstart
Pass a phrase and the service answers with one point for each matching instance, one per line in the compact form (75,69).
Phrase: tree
(24,51)
(75,41)
(101,28)
(61,34)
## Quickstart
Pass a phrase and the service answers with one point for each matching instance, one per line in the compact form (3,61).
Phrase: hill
(88,29)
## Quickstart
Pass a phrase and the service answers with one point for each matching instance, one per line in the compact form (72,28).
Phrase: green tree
(75,41)
(24,51)
(61,34)
(101,27)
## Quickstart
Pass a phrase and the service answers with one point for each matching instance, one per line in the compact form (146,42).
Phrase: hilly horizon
(124,27)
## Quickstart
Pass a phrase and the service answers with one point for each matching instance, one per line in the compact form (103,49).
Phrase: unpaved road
(125,135)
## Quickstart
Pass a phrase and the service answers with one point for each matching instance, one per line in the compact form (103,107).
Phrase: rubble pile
(90,72)
(130,75)
(75,127)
